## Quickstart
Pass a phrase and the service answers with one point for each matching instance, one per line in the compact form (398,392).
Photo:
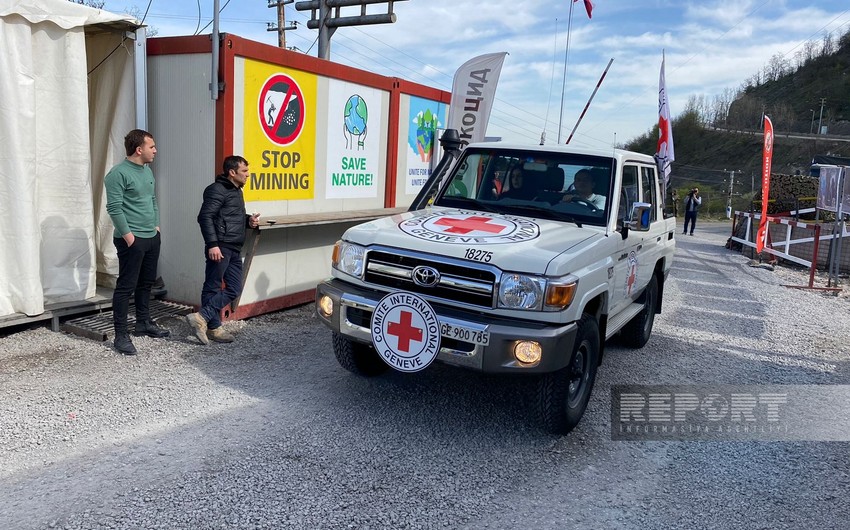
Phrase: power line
(120,44)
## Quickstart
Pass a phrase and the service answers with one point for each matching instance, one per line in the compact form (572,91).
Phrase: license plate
(465,334)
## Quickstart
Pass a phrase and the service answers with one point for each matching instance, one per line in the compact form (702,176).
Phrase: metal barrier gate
(771,246)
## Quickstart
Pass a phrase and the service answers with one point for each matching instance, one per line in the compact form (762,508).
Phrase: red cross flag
(664,152)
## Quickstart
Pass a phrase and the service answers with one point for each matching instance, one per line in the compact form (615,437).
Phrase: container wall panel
(182,120)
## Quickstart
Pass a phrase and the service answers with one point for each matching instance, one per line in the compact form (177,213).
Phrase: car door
(652,246)
(627,257)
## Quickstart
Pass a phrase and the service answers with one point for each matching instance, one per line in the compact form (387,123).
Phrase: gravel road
(270,432)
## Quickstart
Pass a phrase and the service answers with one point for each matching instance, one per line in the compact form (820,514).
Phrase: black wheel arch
(598,308)
(659,273)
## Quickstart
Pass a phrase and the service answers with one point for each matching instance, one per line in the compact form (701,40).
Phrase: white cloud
(711,45)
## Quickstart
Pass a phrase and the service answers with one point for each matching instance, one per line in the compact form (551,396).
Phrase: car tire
(358,358)
(562,396)
(636,333)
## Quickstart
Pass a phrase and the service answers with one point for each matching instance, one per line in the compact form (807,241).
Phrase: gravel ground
(270,433)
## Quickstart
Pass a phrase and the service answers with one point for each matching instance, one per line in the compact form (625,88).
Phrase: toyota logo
(425,276)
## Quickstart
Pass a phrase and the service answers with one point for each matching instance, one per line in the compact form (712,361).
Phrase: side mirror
(641,214)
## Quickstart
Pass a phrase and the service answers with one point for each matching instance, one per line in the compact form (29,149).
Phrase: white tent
(67,98)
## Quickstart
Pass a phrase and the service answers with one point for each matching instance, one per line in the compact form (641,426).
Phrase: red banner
(767,158)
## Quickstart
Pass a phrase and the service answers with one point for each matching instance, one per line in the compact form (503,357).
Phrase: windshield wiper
(474,204)
(549,213)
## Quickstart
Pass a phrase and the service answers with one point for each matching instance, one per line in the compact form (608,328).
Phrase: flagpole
(566,58)
(583,112)
(551,83)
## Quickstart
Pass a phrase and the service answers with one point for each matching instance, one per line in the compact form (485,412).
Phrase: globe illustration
(356,115)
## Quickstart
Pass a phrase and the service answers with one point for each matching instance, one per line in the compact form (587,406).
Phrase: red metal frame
(233,46)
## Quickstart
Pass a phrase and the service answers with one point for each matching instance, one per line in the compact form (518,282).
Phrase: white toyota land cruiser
(513,259)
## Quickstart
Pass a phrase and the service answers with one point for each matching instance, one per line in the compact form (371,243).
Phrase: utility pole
(326,16)
(729,199)
(281,26)
(820,120)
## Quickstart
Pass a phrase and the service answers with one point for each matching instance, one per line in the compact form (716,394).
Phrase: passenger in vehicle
(517,187)
(583,184)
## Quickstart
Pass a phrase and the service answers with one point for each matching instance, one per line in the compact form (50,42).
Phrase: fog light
(326,306)
(528,351)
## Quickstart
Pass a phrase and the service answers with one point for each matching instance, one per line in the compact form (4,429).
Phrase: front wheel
(636,333)
(358,358)
(562,396)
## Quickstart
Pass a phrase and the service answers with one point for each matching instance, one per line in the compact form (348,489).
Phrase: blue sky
(711,46)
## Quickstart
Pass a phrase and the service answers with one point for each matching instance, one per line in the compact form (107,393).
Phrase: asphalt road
(271,433)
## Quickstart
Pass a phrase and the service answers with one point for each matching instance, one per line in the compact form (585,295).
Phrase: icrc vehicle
(483,277)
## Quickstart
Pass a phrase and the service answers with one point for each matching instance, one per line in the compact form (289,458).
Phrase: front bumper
(353,307)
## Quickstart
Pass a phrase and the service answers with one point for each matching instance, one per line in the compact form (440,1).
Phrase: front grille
(458,283)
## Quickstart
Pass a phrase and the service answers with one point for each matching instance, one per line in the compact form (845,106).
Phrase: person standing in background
(692,204)
(223,222)
(131,204)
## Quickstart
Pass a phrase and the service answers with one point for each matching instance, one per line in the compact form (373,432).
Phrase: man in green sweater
(131,203)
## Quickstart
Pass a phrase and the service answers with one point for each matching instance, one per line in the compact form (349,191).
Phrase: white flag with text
(473,94)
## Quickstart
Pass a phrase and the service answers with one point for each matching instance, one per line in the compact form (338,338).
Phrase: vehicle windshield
(557,186)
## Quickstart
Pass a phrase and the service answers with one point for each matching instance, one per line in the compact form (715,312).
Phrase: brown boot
(219,335)
(199,326)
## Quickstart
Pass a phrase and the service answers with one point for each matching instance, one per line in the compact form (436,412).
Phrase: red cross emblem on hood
(469,224)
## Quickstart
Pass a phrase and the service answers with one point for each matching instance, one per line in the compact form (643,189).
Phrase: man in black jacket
(692,204)
(223,222)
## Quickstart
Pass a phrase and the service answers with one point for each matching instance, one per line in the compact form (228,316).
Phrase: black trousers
(214,298)
(690,217)
(136,274)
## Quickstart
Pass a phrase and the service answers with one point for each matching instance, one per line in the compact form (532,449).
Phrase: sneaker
(149,328)
(123,344)
(692,233)
(199,326)
(219,335)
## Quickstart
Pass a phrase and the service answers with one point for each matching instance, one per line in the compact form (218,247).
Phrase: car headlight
(518,291)
(349,258)
(536,293)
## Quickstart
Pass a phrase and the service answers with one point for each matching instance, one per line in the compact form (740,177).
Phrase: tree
(828,47)
(776,68)
(844,40)
(97,4)
(135,12)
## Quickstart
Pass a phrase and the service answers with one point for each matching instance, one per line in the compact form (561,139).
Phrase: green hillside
(708,149)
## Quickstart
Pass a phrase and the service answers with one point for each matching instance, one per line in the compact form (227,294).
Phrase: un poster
(424,119)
